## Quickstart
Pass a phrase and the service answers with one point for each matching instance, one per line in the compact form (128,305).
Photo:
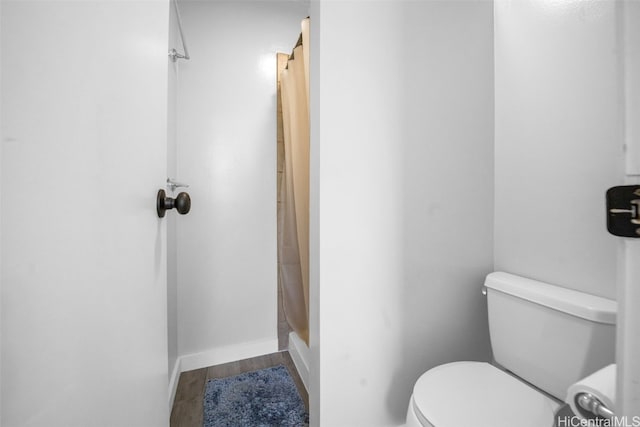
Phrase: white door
(629,285)
(84,110)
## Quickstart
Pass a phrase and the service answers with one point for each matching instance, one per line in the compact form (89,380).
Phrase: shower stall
(293,198)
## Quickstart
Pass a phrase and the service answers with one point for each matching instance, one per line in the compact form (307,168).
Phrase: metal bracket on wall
(172,185)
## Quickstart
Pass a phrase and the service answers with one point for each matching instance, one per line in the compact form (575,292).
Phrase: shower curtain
(293,191)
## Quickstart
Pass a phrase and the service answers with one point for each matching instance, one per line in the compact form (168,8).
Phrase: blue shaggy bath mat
(264,398)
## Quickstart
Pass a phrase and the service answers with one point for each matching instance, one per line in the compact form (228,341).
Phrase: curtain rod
(173,53)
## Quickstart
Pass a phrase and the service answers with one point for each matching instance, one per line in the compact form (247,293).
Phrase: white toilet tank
(548,335)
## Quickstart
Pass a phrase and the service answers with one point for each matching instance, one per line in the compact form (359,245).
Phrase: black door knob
(182,203)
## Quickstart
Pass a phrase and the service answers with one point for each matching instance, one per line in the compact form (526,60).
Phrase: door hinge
(623,210)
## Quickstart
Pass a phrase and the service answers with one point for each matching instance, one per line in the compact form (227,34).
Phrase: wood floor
(187,407)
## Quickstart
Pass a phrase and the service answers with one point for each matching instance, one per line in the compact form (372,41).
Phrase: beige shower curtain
(293,191)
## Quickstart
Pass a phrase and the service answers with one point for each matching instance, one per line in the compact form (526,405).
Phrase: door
(84,116)
(629,286)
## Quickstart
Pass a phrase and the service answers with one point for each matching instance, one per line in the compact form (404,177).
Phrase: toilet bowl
(546,336)
(477,394)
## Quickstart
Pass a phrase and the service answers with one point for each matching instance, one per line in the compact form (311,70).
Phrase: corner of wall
(1,145)
(174,378)
(314,212)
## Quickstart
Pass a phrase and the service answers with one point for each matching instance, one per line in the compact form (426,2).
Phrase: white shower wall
(227,270)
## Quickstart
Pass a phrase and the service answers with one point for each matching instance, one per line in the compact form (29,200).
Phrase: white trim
(631,56)
(628,403)
(299,353)
(173,382)
(230,353)
(628,363)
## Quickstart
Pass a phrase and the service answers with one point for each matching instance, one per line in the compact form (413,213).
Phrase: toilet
(544,338)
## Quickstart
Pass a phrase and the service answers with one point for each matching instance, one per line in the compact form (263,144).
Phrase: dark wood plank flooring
(188,404)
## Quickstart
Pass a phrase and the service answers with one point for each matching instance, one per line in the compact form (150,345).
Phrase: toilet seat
(478,394)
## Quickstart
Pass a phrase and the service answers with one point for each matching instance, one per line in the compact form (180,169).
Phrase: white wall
(227,153)
(84,109)
(402,161)
(558,141)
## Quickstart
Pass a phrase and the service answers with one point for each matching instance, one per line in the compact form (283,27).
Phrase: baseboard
(299,353)
(173,382)
(230,353)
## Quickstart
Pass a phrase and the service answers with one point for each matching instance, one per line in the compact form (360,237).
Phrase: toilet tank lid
(580,304)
